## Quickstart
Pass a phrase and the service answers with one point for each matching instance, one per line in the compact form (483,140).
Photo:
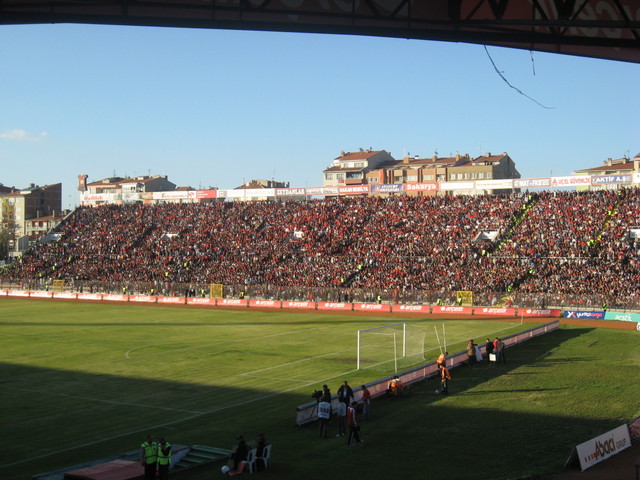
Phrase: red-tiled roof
(609,168)
(347,156)
(338,168)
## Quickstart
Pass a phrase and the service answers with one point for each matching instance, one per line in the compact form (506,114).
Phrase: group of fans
(551,242)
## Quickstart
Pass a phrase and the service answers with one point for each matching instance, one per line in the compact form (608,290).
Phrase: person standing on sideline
(164,459)
(445,376)
(345,394)
(489,348)
(471,353)
(352,421)
(149,457)
(501,348)
(366,403)
(442,360)
(342,419)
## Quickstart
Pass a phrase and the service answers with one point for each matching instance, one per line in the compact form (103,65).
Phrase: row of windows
(414,178)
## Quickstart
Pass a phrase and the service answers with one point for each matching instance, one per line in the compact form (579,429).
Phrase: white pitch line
(225,343)
(306,359)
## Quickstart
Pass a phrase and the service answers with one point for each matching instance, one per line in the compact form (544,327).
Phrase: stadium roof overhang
(608,29)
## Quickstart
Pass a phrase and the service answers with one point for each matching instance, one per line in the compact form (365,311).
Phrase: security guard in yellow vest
(149,457)
(164,459)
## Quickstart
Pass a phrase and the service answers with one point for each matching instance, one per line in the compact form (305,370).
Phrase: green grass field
(85,381)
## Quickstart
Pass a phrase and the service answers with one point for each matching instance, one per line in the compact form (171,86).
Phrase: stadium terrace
(532,250)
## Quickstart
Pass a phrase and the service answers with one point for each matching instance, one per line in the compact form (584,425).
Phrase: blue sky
(215,107)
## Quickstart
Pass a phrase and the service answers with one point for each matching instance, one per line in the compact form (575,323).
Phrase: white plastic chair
(250,462)
(266,456)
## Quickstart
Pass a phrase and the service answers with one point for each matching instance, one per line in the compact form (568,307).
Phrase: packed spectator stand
(553,248)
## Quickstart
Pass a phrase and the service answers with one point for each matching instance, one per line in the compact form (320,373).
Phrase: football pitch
(87,381)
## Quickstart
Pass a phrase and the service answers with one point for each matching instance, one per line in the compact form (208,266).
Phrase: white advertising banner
(451,186)
(494,184)
(603,447)
(570,181)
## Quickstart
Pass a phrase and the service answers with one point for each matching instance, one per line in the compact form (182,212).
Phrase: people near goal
(442,360)
(345,393)
(394,387)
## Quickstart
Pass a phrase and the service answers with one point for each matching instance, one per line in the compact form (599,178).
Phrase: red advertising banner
(206,194)
(334,306)
(265,303)
(4,292)
(539,312)
(67,295)
(291,304)
(201,301)
(41,294)
(460,310)
(231,302)
(494,311)
(18,293)
(371,307)
(142,298)
(411,308)
(89,296)
(174,300)
(115,298)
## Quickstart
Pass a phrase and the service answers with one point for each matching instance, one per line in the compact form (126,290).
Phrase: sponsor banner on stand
(201,301)
(354,190)
(371,307)
(421,187)
(453,309)
(66,295)
(539,312)
(265,303)
(494,311)
(18,293)
(387,188)
(174,300)
(41,294)
(334,306)
(411,308)
(4,292)
(291,192)
(231,302)
(89,296)
(603,447)
(531,182)
(570,181)
(206,194)
(294,304)
(142,298)
(110,297)
(610,179)
(599,315)
(622,316)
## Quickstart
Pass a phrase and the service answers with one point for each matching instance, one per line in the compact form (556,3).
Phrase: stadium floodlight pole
(438,337)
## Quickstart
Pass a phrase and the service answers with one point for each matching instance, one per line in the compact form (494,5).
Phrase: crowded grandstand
(542,249)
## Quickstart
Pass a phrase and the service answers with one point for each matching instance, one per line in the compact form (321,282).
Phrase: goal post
(389,345)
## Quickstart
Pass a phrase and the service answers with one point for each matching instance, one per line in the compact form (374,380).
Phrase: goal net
(394,346)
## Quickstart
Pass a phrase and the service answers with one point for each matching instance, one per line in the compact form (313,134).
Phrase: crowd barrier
(308,412)
(288,304)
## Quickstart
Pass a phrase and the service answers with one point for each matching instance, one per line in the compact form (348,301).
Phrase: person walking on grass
(352,421)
